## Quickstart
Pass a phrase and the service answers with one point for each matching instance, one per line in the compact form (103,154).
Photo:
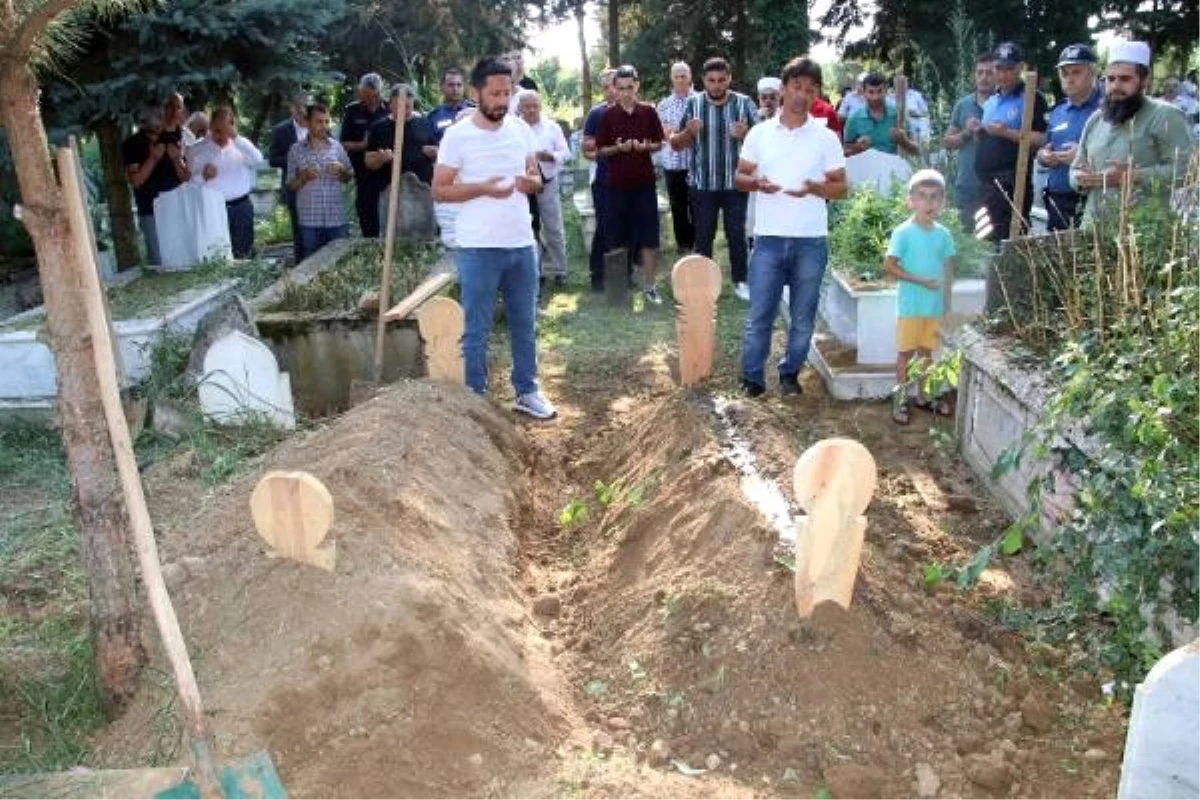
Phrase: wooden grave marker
(833,481)
(440,322)
(292,512)
(696,284)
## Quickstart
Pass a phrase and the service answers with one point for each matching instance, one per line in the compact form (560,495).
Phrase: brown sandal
(900,413)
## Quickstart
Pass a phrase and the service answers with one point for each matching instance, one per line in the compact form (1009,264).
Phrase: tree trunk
(262,118)
(99,513)
(116,191)
(614,33)
(585,75)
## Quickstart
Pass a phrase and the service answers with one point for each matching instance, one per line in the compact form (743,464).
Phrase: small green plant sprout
(607,493)
(574,513)
(933,574)
(595,688)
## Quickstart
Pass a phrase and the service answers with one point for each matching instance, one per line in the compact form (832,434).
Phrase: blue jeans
(732,206)
(482,271)
(313,239)
(778,261)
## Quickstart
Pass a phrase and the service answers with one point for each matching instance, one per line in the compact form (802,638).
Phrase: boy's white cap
(926,176)
(1130,53)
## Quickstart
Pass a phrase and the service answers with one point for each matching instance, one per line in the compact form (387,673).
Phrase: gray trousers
(554,238)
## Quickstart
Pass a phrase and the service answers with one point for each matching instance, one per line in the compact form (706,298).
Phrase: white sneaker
(535,406)
(742,290)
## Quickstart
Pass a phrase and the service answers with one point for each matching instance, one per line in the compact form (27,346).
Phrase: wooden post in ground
(1018,198)
(389,238)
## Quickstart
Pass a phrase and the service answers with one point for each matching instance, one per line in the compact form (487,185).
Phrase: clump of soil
(404,671)
(683,638)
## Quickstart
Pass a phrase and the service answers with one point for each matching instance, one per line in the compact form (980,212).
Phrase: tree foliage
(208,50)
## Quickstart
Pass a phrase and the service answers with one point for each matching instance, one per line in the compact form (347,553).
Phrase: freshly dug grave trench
(405,671)
(681,632)
(432,662)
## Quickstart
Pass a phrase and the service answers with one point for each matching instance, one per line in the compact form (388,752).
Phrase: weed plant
(1115,313)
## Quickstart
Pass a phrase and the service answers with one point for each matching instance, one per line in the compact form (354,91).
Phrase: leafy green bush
(1120,327)
(861,226)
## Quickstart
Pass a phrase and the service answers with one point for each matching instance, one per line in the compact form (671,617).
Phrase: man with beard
(1000,142)
(963,136)
(357,120)
(875,125)
(486,164)
(713,125)
(794,164)
(769,89)
(1134,141)
(317,168)
(1077,74)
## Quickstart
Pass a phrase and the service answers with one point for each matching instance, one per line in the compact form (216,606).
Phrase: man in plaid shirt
(317,168)
(713,126)
(676,162)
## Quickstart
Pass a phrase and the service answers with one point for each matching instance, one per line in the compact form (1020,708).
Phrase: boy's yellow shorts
(917,333)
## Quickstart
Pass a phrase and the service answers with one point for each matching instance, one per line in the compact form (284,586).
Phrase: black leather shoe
(752,389)
(789,385)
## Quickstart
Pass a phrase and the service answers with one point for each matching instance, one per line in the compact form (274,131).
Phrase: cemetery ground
(589,607)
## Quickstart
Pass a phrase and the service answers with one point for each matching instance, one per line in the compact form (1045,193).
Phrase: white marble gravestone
(242,382)
(1162,748)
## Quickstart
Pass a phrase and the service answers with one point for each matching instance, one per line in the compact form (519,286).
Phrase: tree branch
(35,24)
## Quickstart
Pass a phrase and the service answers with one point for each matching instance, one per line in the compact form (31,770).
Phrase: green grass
(340,288)
(154,293)
(275,228)
(46,676)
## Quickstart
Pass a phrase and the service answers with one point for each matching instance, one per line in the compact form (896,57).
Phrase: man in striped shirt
(676,162)
(713,125)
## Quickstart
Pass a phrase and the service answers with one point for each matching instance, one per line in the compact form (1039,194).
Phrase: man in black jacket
(283,136)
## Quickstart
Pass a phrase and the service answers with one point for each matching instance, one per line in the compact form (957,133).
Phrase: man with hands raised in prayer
(795,163)
(629,132)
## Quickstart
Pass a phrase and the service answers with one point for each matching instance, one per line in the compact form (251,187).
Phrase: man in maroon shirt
(629,132)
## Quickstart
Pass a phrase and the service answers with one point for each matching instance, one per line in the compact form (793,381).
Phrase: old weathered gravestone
(417,221)
(242,383)
(616,277)
(231,314)
(1162,748)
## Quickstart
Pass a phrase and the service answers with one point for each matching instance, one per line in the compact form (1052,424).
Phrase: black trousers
(240,213)
(366,203)
(996,195)
(681,208)
(1063,209)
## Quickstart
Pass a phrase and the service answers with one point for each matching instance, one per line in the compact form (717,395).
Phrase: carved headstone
(696,284)
(1162,747)
(833,481)
(242,382)
(440,322)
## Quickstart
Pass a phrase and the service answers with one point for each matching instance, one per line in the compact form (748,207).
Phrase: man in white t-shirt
(795,164)
(486,164)
(228,164)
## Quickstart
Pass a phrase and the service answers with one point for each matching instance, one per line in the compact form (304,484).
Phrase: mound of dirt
(686,645)
(404,671)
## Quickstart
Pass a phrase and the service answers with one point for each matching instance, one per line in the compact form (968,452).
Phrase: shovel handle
(131,485)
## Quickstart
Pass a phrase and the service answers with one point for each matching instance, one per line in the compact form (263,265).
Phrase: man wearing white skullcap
(1134,139)
(769,90)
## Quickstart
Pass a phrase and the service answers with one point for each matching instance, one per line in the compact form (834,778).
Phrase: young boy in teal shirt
(920,256)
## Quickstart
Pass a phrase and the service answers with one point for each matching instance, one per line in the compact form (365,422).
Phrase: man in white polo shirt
(227,163)
(795,164)
(486,164)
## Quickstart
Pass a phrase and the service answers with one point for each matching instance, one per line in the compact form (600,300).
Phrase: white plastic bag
(192,225)
(876,169)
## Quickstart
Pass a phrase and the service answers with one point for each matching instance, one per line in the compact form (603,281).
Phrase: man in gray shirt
(962,136)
